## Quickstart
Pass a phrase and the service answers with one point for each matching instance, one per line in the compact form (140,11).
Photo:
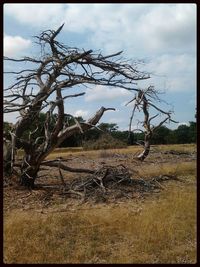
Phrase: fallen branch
(66,168)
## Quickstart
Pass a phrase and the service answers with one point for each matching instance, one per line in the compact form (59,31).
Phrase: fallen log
(58,164)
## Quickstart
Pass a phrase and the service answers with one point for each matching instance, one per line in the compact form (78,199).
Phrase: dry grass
(65,152)
(158,230)
(177,147)
(174,168)
(129,150)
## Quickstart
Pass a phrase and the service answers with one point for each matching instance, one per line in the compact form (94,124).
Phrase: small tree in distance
(144,100)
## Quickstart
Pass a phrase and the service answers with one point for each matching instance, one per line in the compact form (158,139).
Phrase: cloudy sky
(163,36)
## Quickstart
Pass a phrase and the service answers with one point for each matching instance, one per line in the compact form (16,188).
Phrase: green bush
(105,141)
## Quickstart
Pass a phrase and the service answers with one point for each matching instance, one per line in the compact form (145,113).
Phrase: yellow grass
(158,230)
(177,147)
(173,168)
(129,150)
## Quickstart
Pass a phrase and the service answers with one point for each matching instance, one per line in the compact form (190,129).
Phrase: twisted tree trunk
(145,152)
(35,156)
(43,86)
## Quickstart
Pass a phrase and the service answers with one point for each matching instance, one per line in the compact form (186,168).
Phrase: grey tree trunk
(145,152)
(7,157)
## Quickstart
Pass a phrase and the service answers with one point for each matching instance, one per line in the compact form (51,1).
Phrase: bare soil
(49,189)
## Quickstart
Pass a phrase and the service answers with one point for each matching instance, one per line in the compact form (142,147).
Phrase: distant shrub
(106,154)
(105,141)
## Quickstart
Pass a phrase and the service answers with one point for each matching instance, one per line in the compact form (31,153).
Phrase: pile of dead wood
(111,182)
(106,183)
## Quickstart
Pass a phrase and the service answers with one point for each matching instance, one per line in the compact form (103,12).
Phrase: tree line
(183,134)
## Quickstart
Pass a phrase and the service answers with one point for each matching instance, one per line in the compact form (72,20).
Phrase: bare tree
(143,101)
(43,86)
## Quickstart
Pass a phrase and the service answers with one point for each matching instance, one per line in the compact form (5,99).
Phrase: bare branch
(75,95)
(142,103)
(130,101)
(153,117)
(23,59)
(58,68)
(66,168)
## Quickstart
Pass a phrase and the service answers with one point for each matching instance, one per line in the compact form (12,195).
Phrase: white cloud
(81,113)
(36,15)
(116,120)
(169,27)
(139,29)
(178,72)
(11,117)
(13,45)
(165,34)
(100,92)
(183,123)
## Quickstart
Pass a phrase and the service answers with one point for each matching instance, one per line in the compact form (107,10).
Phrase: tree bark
(145,152)
(6,157)
(28,177)
(33,158)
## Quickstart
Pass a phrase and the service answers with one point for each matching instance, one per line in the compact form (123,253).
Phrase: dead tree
(6,157)
(143,101)
(56,70)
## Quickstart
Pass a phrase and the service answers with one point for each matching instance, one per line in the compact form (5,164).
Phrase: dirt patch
(133,180)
